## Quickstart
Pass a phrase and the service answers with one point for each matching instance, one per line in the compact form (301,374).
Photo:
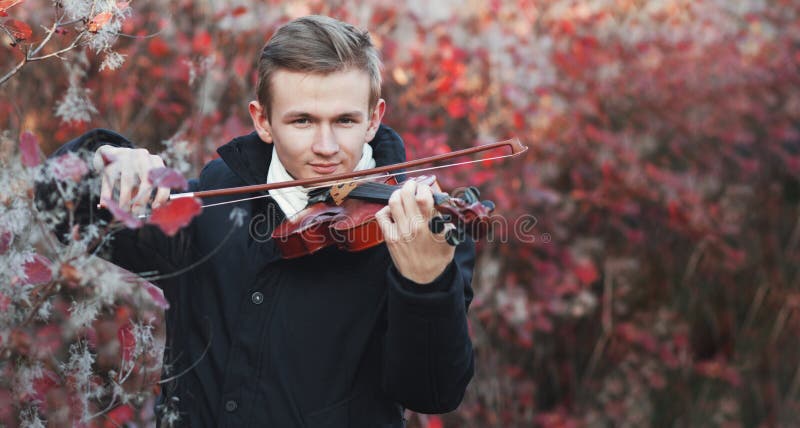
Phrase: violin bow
(517,148)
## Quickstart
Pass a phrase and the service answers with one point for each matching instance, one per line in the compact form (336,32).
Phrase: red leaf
(119,416)
(48,340)
(70,166)
(7,4)
(20,30)
(29,146)
(158,47)
(434,422)
(127,342)
(175,214)
(586,272)
(157,295)
(108,158)
(567,27)
(43,385)
(5,241)
(99,21)
(457,108)
(37,271)
(238,11)
(201,43)
(70,274)
(241,65)
(628,332)
(121,215)
(167,177)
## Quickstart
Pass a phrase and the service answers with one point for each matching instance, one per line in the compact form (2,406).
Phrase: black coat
(332,339)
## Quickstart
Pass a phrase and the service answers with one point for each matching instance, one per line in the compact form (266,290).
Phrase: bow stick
(517,148)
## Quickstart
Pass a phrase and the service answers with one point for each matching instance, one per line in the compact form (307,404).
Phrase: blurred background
(645,271)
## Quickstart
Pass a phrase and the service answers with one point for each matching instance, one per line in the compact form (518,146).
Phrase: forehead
(320,94)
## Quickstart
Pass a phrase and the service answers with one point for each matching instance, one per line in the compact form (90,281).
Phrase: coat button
(231,406)
(257,298)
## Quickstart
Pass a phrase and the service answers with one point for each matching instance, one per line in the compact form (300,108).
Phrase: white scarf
(293,199)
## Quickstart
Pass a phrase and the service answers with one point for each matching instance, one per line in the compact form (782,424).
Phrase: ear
(260,121)
(375,119)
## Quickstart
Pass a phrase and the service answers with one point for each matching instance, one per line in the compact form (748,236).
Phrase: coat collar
(249,157)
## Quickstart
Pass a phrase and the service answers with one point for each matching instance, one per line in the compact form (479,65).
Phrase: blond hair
(319,45)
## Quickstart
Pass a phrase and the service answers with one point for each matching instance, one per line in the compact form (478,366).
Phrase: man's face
(319,123)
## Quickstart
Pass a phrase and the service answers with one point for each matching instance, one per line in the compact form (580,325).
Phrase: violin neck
(380,193)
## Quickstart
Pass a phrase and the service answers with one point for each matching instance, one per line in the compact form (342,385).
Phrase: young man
(334,339)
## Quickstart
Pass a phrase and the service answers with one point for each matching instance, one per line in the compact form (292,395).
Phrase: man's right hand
(127,172)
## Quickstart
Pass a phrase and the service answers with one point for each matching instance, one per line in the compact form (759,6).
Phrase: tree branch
(14,70)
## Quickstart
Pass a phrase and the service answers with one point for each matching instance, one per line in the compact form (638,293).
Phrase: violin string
(362,179)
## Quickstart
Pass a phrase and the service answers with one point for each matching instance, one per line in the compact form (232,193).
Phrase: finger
(424,200)
(107,184)
(416,221)
(383,217)
(110,179)
(145,191)
(126,181)
(395,205)
(103,157)
(441,237)
(97,160)
(162,196)
(408,193)
(142,197)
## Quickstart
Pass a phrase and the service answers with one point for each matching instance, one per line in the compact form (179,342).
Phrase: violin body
(350,224)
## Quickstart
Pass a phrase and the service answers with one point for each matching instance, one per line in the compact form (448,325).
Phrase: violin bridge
(340,191)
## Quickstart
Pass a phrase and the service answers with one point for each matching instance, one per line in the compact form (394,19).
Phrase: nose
(325,145)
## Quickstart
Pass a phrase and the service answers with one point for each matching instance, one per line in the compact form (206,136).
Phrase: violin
(344,215)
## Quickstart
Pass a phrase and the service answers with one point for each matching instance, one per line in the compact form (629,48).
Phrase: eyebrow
(298,113)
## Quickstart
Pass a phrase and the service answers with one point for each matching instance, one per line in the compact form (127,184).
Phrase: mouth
(324,168)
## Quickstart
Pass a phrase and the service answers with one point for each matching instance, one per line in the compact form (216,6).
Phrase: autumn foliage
(645,269)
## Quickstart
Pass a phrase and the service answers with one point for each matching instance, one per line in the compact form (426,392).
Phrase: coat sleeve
(428,354)
(143,250)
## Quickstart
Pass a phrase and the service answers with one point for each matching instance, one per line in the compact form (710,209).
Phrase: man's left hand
(417,253)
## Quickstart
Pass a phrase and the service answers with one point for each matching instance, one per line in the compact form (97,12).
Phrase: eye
(301,121)
(347,121)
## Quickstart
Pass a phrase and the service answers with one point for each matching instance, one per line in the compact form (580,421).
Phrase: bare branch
(46,39)
(14,70)
(57,53)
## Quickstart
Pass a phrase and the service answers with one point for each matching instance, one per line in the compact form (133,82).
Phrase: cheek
(354,153)
(293,143)
(292,155)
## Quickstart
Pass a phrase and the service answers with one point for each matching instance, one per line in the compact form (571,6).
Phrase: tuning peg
(436,224)
(452,237)
(472,194)
(455,236)
(440,198)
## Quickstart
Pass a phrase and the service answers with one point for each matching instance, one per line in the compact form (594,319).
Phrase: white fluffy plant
(78,335)
(92,24)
